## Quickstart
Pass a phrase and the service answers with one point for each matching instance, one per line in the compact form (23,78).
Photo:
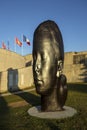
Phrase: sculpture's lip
(39,81)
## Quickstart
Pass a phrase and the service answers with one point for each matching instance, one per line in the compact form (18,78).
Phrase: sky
(21,17)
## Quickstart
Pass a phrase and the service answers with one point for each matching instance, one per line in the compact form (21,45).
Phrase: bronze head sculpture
(48,58)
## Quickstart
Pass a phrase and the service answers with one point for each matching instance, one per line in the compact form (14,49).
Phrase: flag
(18,42)
(25,39)
(3,45)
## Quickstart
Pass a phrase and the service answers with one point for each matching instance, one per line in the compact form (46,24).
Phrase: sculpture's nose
(38,64)
(37,68)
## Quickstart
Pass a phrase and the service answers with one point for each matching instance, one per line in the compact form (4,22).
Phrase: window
(79,59)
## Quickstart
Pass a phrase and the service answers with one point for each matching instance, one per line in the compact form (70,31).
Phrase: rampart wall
(75,66)
(10,59)
(16,79)
(16,70)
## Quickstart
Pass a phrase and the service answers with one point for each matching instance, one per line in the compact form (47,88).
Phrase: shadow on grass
(30,98)
(79,87)
(53,126)
(13,87)
(4,111)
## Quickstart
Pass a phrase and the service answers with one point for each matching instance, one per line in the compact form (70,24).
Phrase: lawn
(19,119)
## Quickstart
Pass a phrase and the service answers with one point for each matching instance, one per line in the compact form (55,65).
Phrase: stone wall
(16,79)
(16,71)
(75,66)
(3,81)
(10,59)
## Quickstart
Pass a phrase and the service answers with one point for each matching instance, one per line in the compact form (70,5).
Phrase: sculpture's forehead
(45,43)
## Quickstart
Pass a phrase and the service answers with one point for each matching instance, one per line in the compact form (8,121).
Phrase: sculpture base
(67,112)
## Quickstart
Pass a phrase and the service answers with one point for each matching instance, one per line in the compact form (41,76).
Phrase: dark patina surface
(48,59)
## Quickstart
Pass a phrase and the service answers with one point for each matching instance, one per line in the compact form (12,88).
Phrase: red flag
(18,42)
(3,45)
(25,39)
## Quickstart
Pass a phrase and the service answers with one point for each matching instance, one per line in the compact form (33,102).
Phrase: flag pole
(8,45)
(22,45)
(14,46)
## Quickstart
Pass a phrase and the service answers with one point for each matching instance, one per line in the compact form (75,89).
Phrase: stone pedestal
(67,112)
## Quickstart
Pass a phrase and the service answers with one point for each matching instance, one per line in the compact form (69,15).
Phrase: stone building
(16,70)
(75,66)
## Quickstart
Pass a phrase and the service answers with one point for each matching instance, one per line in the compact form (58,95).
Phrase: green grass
(19,119)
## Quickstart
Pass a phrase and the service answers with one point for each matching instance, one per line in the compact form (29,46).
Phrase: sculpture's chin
(40,89)
(44,87)
(43,90)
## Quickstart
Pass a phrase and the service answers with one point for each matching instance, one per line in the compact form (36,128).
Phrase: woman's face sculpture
(48,57)
(44,66)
